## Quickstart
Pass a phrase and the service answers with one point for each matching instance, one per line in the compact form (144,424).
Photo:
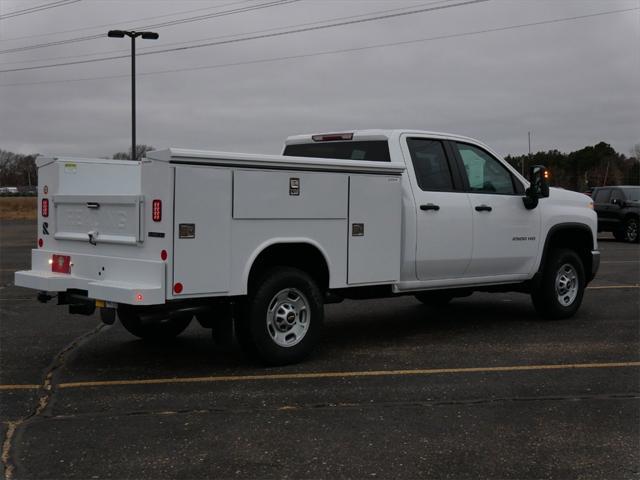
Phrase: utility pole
(133,35)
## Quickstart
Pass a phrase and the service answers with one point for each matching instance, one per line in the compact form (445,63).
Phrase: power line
(256,37)
(227,36)
(38,8)
(94,27)
(272,3)
(331,52)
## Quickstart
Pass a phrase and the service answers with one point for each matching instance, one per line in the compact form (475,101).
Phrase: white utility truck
(257,244)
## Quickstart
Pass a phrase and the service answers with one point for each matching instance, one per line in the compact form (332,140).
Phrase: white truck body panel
(202,261)
(221,211)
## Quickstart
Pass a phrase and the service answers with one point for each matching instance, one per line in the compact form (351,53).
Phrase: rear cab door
(444,233)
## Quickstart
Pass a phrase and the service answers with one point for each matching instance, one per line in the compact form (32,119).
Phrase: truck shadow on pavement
(398,324)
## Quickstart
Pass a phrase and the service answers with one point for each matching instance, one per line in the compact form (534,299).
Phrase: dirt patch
(18,208)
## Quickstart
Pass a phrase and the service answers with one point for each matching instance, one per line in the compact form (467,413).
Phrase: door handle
(93,205)
(430,206)
(483,208)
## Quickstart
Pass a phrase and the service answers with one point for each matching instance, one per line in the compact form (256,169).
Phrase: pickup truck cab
(256,244)
(618,210)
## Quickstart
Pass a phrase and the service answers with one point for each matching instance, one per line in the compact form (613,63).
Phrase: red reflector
(332,137)
(156,210)
(45,207)
(177,287)
(61,264)
(139,297)
(40,242)
(164,254)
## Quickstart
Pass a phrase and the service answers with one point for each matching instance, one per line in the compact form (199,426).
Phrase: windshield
(632,193)
(373,150)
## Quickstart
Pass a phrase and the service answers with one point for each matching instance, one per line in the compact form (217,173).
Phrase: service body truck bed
(267,239)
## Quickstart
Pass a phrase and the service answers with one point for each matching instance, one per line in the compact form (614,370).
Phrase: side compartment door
(506,235)
(444,229)
(202,229)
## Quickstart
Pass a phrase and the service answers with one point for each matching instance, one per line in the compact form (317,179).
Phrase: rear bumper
(120,280)
(595,264)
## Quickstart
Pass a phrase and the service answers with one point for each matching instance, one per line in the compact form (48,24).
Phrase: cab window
(484,173)
(430,164)
(616,195)
(602,196)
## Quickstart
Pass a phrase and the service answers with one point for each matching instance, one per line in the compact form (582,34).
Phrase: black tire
(630,230)
(281,321)
(164,330)
(434,299)
(564,268)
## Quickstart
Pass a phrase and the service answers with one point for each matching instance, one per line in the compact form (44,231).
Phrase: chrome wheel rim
(566,284)
(288,317)
(632,230)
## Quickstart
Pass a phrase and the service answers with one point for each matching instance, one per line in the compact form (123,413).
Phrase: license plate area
(61,264)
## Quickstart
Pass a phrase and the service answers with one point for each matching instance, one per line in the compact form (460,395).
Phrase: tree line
(580,170)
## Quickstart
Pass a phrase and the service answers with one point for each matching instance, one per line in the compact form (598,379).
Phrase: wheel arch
(302,253)
(574,236)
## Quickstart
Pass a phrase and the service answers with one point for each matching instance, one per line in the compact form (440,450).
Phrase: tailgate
(98,218)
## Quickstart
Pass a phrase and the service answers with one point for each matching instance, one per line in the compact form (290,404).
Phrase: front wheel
(629,231)
(281,320)
(561,289)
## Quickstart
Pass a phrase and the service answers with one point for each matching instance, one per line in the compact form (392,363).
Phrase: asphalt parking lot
(480,389)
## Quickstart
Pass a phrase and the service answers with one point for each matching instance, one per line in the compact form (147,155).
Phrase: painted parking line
(605,287)
(316,375)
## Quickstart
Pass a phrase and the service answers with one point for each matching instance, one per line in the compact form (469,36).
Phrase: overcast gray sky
(571,83)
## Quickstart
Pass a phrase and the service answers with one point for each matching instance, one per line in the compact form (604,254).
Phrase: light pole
(132,34)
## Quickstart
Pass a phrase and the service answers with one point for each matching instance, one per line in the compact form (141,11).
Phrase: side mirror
(617,201)
(539,178)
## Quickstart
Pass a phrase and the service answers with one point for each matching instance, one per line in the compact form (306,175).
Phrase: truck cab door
(444,232)
(506,236)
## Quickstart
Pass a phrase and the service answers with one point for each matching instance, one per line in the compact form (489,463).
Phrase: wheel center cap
(291,317)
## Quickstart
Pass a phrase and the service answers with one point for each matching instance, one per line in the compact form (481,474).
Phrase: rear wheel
(561,289)
(281,320)
(162,330)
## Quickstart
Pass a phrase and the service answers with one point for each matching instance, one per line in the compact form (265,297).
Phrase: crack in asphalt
(48,389)
(356,405)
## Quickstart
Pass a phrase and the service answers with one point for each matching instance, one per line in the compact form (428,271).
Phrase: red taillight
(61,264)
(332,137)
(45,207)
(139,297)
(177,287)
(156,210)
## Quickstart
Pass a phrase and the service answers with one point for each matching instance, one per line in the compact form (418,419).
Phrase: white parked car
(263,241)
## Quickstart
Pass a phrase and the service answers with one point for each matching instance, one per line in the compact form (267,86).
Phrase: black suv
(618,209)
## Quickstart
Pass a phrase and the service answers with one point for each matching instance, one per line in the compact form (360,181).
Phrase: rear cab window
(602,195)
(370,150)
(430,164)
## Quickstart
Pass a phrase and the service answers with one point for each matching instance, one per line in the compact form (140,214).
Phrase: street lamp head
(116,34)
(149,35)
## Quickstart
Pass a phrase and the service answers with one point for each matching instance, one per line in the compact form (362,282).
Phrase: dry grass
(18,208)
